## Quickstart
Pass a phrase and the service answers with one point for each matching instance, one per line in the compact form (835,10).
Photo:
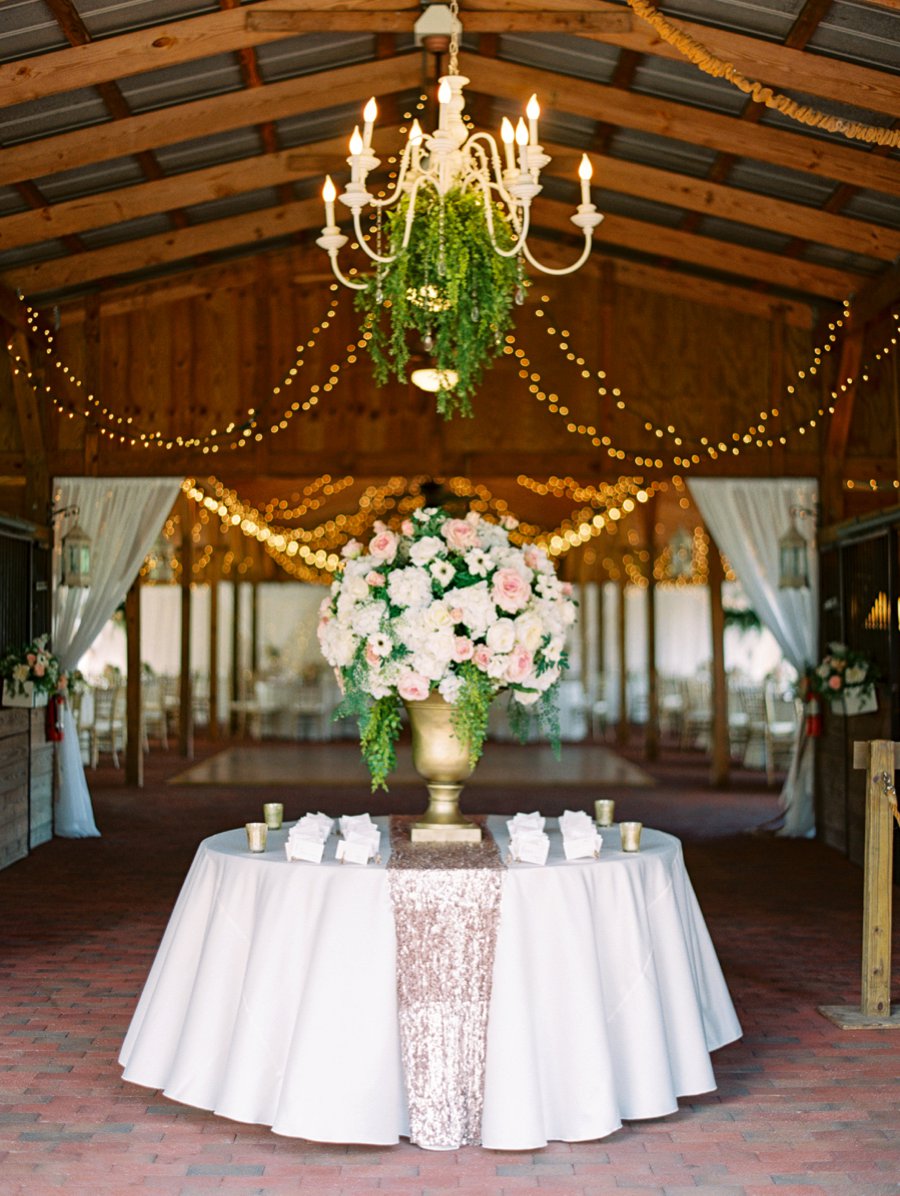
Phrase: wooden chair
(155,720)
(107,731)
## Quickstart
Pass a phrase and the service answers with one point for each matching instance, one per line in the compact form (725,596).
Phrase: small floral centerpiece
(846,676)
(447,605)
(31,674)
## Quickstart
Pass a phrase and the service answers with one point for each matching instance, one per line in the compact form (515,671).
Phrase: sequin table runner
(446,900)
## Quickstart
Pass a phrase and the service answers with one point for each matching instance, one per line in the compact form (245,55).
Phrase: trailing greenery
(471,709)
(449,286)
(379,730)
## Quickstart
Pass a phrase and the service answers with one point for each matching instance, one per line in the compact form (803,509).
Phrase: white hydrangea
(426,550)
(410,587)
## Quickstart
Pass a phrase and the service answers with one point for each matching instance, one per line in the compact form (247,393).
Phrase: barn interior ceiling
(160,177)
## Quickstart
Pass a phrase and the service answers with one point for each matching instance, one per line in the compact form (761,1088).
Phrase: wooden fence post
(880,758)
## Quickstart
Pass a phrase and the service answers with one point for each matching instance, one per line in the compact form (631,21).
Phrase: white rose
(449,688)
(437,615)
(529,631)
(502,636)
(425,550)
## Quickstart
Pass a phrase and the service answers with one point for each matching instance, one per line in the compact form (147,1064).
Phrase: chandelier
(449,240)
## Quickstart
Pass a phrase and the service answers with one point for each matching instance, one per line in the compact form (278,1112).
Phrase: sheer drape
(122,516)
(746,518)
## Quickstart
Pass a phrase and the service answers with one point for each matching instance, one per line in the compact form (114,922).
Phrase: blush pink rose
(460,535)
(383,545)
(509,591)
(30,657)
(407,527)
(413,687)
(463,648)
(834,683)
(374,578)
(40,669)
(520,665)
(533,556)
(456,614)
(482,657)
(567,588)
(372,657)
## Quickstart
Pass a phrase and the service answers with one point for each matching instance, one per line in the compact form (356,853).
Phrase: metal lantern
(793,559)
(76,558)
(159,561)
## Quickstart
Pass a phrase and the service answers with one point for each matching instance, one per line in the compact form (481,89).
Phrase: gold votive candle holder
(256,836)
(631,835)
(604,811)
(273,814)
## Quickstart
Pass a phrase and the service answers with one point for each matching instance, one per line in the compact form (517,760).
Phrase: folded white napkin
(529,845)
(579,835)
(361,840)
(519,822)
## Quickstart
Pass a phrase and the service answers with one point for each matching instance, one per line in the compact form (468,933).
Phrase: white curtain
(746,518)
(122,516)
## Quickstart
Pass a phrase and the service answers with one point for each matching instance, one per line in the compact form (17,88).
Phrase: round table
(273,1000)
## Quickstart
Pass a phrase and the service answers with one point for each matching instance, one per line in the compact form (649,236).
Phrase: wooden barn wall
(186,359)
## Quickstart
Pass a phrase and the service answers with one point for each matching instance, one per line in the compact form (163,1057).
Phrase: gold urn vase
(443,761)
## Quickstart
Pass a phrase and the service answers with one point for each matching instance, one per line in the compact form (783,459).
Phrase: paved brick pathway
(801,1106)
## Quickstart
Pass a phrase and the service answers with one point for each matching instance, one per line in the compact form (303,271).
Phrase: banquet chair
(153,708)
(107,731)
(782,724)
(696,727)
(751,738)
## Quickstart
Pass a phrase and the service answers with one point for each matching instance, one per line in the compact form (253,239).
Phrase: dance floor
(340,764)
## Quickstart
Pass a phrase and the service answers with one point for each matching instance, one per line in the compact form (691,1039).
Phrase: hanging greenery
(449,286)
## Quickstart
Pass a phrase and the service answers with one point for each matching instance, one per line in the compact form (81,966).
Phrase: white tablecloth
(272,998)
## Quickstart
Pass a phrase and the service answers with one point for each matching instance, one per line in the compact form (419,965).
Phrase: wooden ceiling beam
(235,274)
(204,118)
(280,169)
(251,228)
(663,118)
(874,299)
(169,44)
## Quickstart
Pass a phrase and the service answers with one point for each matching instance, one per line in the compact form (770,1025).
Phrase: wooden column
(720,764)
(235,649)
(254,629)
(879,757)
(651,740)
(185,700)
(134,709)
(621,628)
(214,654)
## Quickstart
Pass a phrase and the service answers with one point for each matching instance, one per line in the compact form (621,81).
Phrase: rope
(711,64)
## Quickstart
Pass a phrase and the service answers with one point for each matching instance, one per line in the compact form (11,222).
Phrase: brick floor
(801,1106)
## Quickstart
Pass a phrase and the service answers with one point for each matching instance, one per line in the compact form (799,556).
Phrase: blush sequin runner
(446,900)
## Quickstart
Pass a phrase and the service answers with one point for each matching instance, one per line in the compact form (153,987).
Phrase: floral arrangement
(34,663)
(449,286)
(449,605)
(842,670)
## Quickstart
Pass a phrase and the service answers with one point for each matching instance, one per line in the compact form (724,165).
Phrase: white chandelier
(452,157)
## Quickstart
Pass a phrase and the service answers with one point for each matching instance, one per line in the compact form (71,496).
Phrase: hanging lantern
(681,555)
(76,558)
(793,559)
(159,561)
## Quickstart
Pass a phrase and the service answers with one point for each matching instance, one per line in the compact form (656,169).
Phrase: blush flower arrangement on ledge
(32,670)
(842,673)
(447,605)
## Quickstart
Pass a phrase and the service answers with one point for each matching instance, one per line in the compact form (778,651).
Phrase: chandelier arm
(361,238)
(585,254)
(411,210)
(519,245)
(354,286)
(402,172)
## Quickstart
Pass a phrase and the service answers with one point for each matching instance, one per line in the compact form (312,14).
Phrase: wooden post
(651,740)
(134,708)
(235,650)
(621,628)
(185,700)
(720,763)
(213,729)
(254,628)
(880,758)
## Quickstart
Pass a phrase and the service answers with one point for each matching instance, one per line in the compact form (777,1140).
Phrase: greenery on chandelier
(449,286)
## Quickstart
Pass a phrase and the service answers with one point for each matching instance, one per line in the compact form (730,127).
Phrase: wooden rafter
(183,41)
(283,169)
(664,118)
(268,224)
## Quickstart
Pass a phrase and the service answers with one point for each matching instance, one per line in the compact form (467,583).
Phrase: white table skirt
(273,999)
